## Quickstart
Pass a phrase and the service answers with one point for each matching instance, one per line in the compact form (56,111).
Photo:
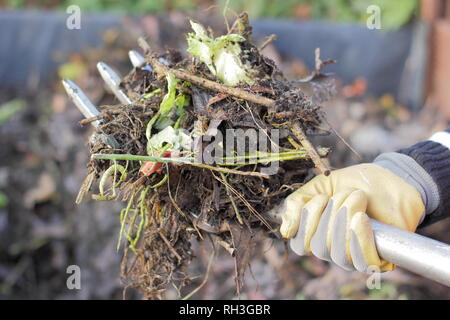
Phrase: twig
(162,70)
(235,208)
(208,269)
(171,248)
(228,247)
(232,91)
(87,121)
(247,204)
(300,135)
(268,40)
(344,141)
(102,115)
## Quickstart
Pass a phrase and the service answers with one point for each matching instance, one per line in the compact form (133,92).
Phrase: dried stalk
(171,248)
(300,135)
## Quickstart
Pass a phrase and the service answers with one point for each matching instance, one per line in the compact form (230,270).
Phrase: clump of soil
(171,198)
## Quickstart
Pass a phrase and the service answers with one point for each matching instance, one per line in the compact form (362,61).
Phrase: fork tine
(88,110)
(82,102)
(137,60)
(163,61)
(112,81)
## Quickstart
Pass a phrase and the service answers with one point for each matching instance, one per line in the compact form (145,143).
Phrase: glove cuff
(413,173)
(434,156)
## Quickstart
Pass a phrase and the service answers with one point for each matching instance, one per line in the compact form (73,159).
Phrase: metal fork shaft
(411,251)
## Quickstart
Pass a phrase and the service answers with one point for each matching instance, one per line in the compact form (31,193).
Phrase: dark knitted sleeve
(434,156)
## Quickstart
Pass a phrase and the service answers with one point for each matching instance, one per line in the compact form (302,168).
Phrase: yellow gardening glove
(329,216)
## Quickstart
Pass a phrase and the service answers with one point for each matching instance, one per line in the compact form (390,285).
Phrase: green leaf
(150,94)
(221,55)
(200,45)
(230,69)
(10,108)
(174,138)
(169,99)
(3,200)
(162,123)
(182,101)
(163,118)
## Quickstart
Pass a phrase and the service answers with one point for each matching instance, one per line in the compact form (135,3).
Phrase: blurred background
(392,91)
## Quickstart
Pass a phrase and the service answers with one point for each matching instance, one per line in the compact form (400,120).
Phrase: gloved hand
(329,216)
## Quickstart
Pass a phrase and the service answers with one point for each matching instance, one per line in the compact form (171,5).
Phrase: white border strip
(441,137)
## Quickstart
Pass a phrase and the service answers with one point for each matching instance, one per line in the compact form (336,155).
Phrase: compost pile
(146,153)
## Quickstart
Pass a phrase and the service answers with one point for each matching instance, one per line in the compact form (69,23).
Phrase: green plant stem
(131,157)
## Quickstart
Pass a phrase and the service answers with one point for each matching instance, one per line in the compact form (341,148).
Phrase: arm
(433,155)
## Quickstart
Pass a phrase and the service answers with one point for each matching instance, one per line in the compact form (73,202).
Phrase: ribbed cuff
(434,157)
(409,170)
